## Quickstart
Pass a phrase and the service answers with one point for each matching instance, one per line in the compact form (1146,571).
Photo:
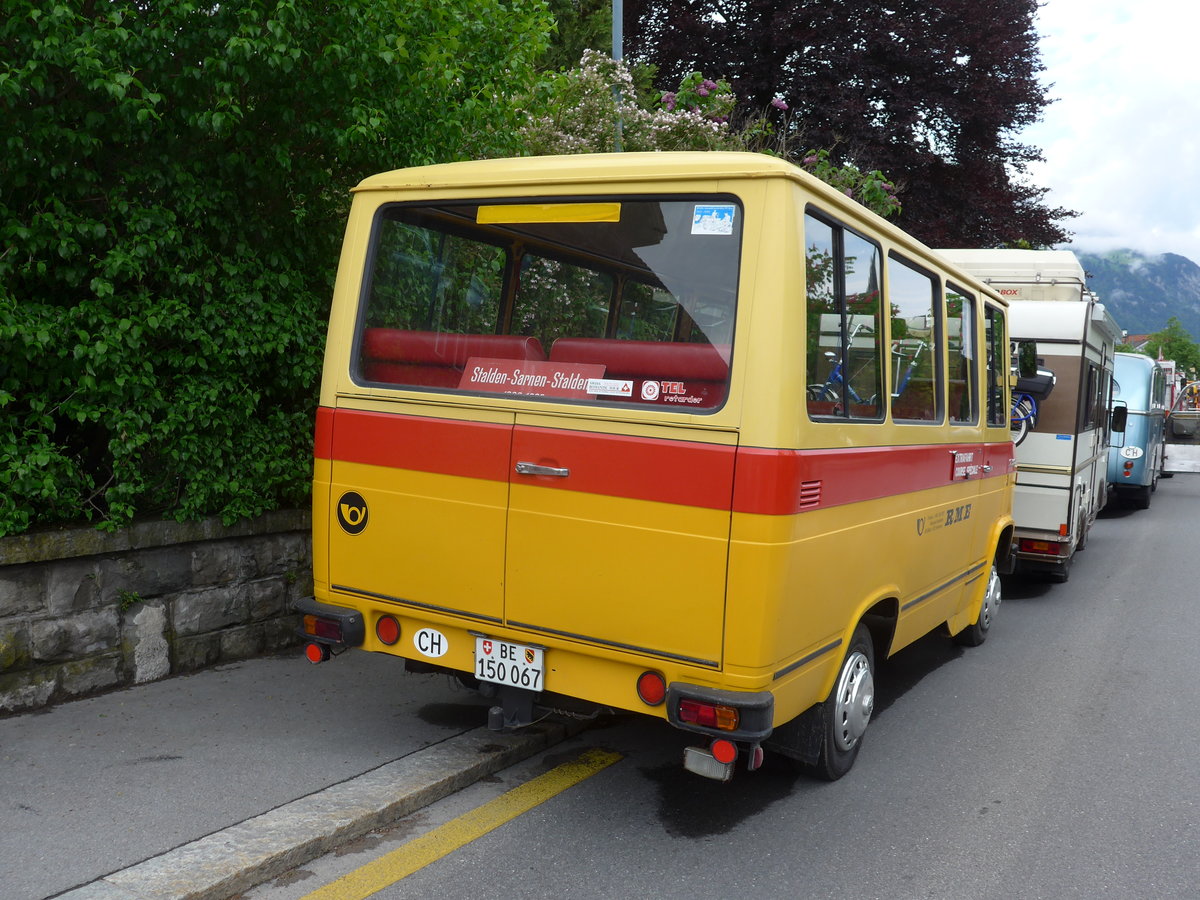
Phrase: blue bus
(1135,463)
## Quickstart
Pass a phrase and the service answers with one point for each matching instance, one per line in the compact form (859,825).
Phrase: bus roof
(531,170)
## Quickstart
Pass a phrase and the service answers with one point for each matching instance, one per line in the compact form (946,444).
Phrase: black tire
(1140,499)
(1019,429)
(976,633)
(846,712)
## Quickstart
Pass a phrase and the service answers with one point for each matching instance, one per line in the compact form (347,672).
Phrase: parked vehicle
(1135,459)
(652,432)
(1183,431)
(1062,463)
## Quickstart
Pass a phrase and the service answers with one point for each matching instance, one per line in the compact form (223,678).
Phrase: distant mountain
(1143,291)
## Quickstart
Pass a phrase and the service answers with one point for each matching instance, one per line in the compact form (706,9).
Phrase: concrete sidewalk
(202,785)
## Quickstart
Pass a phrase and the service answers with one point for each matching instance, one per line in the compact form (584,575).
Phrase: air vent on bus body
(810,494)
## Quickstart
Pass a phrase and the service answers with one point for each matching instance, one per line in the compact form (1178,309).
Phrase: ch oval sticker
(1131,452)
(431,642)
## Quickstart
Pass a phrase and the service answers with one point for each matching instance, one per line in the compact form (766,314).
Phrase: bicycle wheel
(1021,419)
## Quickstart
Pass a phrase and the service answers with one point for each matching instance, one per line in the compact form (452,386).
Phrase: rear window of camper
(583,300)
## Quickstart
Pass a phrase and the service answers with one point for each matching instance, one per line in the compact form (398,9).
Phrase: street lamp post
(618,21)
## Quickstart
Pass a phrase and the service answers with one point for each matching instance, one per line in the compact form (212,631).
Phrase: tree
(581,108)
(931,92)
(1174,342)
(579,25)
(173,189)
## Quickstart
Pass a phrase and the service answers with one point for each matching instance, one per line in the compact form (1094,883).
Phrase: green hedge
(173,187)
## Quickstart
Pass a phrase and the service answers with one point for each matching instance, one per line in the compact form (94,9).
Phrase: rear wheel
(1140,499)
(975,634)
(847,710)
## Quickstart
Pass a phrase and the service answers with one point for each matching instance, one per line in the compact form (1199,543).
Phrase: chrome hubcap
(991,601)
(855,700)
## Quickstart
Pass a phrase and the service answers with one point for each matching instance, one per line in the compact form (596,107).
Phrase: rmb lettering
(937,521)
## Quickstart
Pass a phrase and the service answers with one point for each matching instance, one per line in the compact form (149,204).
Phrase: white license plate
(503,662)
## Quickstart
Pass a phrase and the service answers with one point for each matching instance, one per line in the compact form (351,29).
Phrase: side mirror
(1120,415)
(1026,354)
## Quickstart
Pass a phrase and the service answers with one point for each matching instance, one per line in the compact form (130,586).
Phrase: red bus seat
(436,359)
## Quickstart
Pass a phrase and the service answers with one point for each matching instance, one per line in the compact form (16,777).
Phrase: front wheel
(847,709)
(976,633)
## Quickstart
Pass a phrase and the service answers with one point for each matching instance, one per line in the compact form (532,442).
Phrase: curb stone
(235,859)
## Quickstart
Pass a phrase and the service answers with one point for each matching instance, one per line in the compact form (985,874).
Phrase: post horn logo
(352,512)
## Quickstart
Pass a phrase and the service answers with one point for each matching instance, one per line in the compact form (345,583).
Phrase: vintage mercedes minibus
(1136,457)
(688,434)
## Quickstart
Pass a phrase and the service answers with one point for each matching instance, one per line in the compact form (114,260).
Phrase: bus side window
(843,273)
(997,366)
(960,333)
(915,335)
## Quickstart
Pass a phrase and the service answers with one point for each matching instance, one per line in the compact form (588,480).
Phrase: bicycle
(830,389)
(898,355)
(1023,416)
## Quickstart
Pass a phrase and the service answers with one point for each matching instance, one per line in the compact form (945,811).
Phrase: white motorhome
(1062,454)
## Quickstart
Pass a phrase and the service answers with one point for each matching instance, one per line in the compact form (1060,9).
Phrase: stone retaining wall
(83,611)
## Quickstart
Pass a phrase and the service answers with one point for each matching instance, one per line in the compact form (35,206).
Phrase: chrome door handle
(528,468)
(987,468)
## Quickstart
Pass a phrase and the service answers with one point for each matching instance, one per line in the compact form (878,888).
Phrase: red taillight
(316,653)
(330,629)
(723,751)
(651,688)
(1028,545)
(387,629)
(708,715)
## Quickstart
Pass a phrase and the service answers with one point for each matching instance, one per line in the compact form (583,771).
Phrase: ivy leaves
(173,188)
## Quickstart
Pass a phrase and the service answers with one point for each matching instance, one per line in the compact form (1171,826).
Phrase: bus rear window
(583,300)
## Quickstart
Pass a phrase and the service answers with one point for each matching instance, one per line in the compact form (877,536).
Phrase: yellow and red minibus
(686,434)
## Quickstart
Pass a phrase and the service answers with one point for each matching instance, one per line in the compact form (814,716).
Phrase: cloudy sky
(1122,140)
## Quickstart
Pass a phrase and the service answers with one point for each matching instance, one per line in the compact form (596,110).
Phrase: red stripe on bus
(772,482)
(438,446)
(683,472)
(688,473)
(323,438)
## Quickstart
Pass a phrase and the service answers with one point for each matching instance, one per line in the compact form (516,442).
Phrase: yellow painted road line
(444,840)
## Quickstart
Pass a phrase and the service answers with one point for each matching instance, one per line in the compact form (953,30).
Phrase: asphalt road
(1060,759)
(197,785)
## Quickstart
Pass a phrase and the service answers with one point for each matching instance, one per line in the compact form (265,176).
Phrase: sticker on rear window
(713,218)
(611,387)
